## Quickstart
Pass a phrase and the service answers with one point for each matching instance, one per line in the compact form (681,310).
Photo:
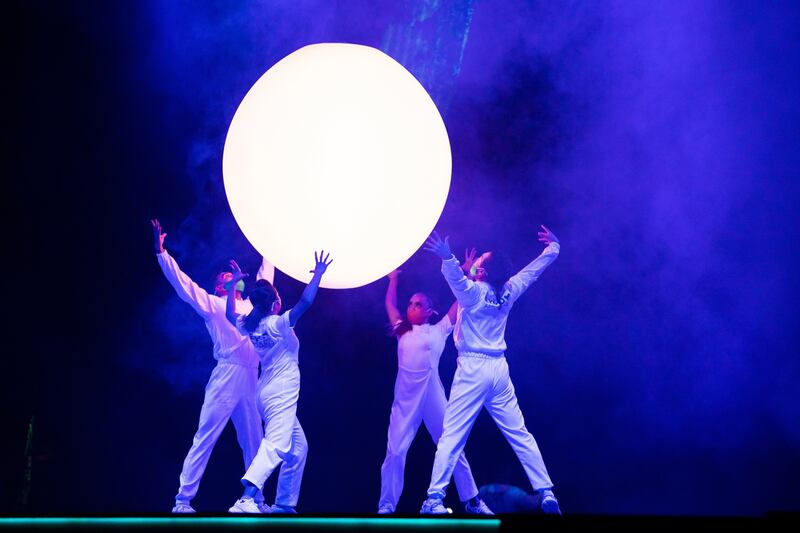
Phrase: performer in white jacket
(419,396)
(482,378)
(273,338)
(231,389)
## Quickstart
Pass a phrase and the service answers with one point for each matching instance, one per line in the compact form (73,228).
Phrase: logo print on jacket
(262,341)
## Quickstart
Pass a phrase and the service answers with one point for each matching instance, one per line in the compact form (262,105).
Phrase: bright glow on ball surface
(337,147)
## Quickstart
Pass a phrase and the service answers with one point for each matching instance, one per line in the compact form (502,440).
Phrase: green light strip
(254,522)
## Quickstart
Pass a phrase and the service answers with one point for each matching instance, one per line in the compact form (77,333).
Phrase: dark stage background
(656,361)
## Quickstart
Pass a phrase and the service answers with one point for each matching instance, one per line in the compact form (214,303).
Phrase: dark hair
(262,296)
(404,326)
(498,271)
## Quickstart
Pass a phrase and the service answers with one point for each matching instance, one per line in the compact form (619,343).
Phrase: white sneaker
(385,509)
(480,508)
(549,503)
(183,508)
(433,506)
(245,506)
(264,508)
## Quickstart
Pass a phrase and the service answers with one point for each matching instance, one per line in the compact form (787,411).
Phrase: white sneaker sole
(238,510)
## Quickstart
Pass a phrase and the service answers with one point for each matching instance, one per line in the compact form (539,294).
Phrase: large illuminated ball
(337,147)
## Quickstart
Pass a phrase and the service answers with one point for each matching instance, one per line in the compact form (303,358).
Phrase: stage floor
(771,522)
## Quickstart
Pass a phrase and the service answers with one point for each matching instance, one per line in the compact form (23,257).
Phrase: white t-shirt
(274,341)
(420,348)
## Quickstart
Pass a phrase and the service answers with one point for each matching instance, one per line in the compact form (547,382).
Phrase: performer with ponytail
(419,395)
(272,335)
(482,378)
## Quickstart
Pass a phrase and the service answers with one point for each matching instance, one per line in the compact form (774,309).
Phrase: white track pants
(284,442)
(418,397)
(482,381)
(230,394)
(291,473)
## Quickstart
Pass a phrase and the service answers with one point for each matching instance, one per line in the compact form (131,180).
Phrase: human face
(419,309)
(222,284)
(479,267)
(222,279)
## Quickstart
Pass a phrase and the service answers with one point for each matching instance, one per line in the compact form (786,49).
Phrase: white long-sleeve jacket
(481,321)
(229,344)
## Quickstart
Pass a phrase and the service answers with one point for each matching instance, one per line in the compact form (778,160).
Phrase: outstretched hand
(438,246)
(158,237)
(547,236)
(394,274)
(237,273)
(469,259)
(322,262)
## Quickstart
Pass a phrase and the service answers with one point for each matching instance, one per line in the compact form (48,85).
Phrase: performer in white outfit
(419,396)
(231,389)
(273,338)
(482,378)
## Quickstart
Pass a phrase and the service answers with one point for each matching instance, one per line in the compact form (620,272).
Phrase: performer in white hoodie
(419,395)
(482,378)
(231,389)
(273,338)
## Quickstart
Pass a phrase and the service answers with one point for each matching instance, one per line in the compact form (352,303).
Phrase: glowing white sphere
(337,147)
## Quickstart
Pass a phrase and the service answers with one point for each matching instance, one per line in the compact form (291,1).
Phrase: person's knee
(300,449)
(207,432)
(396,451)
(521,440)
(286,454)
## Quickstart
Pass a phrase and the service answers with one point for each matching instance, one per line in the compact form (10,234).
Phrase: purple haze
(656,360)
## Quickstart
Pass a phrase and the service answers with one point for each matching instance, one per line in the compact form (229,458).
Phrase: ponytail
(400,328)
(262,297)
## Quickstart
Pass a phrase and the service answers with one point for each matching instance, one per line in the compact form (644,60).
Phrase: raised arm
(310,292)
(230,304)
(465,290)
(523,279)
(469,260)
(187,290)
(391,298)
(267,271)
